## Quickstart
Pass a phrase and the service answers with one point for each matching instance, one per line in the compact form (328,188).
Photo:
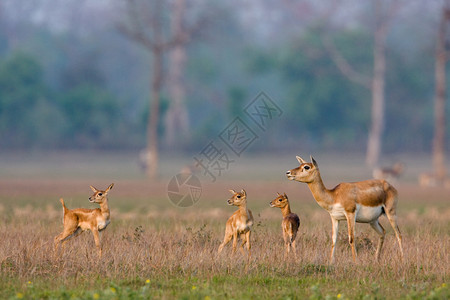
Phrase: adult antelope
(362,202)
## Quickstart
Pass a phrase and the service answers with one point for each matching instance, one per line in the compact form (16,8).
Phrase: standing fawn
(362,202)
(80,219)
(239,223)
(290,223)
(389,173)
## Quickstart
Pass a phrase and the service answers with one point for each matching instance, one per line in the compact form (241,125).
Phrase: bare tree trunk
(152,125)
(439,106)
(376,83)
(378,88)
(177,121)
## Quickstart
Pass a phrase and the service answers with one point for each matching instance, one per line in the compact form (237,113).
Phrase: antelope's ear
(285,196)
(314,162)
(109,187)
(278,194)
(243,192)
(232,191)
(300,160)
(93,189)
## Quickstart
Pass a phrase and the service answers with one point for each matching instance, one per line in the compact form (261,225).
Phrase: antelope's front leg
(351,232)
(97,241)
(234,241)
(334,234)
(247,235)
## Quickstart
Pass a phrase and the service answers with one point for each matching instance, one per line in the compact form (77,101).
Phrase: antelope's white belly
(364,214)
(367,214)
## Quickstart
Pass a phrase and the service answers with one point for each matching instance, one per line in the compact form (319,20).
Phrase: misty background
(80,75)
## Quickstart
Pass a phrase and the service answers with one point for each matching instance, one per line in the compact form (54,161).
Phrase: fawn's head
(306,172)
(99,196)
(280,201)
(399,167)
(238,198)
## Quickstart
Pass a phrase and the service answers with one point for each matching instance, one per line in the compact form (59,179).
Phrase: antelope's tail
(63,205)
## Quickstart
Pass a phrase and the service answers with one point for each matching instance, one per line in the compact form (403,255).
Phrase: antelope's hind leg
(381,232)
(393,221)
(226,240)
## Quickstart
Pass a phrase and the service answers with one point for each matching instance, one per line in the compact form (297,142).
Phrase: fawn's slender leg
(97,241)
(294,249)
(247,235)
(226,240)
(234,241)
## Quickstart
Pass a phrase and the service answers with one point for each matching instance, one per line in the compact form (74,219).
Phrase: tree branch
(344,66)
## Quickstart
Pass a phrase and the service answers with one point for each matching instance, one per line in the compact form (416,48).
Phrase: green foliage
(92,114)
(323,104)
(32,115)
(237,99)
(23,97)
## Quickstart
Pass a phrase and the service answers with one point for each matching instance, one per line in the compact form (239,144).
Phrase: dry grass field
(153,249)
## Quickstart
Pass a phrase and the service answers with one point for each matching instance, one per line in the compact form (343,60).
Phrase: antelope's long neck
(321,194)
(286,210)
(105,208)
(243,209)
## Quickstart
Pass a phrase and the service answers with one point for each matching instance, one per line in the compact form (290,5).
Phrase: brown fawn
(239,224)
(362,202)
(290,223)
(80,219)
(389,173)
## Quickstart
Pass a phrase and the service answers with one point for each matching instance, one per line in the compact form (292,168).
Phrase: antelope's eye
(238,196)
(100,194)
(306,167)
(280,200)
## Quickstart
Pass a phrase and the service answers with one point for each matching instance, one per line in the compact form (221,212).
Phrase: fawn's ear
(300,160)
(278,194)
(314,162)
(93,189)
(233,192)
(109,187)
(285,196)
(243,192)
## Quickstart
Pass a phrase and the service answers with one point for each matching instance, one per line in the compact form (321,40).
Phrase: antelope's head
(306,172)
(281,201)
(238,198)
(99,196)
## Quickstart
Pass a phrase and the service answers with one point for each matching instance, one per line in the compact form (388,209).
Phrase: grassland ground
(153,249)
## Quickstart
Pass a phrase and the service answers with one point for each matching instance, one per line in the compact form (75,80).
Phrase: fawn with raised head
(80,219)
(389,173)
(239,224)
(290,223)
(362,202)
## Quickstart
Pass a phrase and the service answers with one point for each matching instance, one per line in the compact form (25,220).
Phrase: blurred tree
(177,119)
(384,11)
(22,89)
(237,97)
(324,106)
(440,96)
(148,26)
(92,115)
